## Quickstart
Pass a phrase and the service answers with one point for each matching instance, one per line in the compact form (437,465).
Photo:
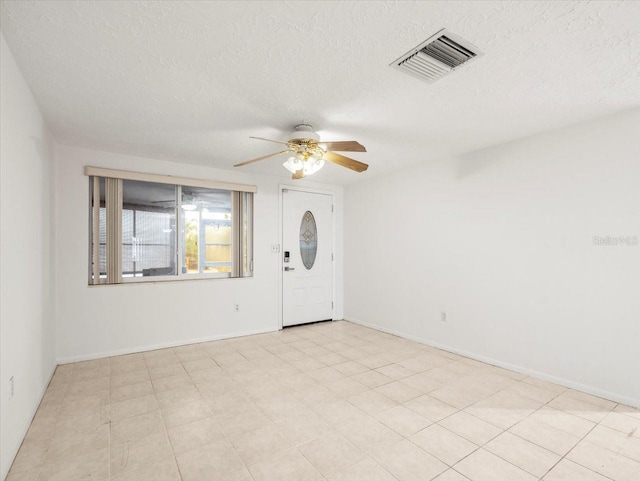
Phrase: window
(149,227)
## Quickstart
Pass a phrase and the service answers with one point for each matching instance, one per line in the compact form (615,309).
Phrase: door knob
(287,268)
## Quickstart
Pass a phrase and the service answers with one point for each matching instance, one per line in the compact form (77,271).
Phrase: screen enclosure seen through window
(142,227)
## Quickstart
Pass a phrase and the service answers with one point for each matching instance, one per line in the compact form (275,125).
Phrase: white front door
(307,250)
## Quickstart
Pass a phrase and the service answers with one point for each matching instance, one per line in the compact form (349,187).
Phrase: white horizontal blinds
(95,230)
(113,202)
(168,179)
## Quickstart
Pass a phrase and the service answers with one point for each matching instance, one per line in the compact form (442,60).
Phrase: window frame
(241,212)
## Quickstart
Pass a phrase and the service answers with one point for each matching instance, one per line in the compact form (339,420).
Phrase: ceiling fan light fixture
(292,164)
(189,202)
(309,164)
(313,165)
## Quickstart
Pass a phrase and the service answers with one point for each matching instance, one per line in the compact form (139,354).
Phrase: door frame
(309,190)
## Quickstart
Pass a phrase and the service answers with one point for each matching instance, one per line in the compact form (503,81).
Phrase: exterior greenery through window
(142,230)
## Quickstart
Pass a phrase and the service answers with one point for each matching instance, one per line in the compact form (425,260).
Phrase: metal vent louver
(437,56)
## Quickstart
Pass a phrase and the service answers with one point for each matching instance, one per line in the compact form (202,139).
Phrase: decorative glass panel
(308,240)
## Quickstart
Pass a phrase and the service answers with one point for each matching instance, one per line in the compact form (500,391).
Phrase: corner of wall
(27,317)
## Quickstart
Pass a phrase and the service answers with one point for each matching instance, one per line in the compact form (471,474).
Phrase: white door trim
(281,188)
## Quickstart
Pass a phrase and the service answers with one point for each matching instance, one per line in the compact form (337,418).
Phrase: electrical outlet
(236,307)
(12,388)
(443,316)
(275,248)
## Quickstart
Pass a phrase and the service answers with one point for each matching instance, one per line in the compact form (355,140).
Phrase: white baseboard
(25,428)
(512,367)
(153,347)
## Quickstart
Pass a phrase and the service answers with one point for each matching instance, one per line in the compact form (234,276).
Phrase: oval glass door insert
(308,240)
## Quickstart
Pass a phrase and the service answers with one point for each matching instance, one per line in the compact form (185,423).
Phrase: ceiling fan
(192,201)
(307,154)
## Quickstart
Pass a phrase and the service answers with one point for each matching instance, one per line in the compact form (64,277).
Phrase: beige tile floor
(331,401)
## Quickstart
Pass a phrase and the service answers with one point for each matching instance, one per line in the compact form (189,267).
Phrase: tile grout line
(553,427)
(48,441)
(499,427)
(336,339)
(166,430)
(572,448)
(366,454)
(65,388)
(216,421)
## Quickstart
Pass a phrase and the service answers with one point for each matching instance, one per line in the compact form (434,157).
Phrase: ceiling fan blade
(269,140)
(261,158)
(345,161)
(298,174)
(343,146)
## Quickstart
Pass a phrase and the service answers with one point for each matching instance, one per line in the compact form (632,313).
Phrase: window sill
(165,279)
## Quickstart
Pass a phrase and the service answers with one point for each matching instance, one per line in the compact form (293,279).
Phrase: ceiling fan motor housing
(304,132)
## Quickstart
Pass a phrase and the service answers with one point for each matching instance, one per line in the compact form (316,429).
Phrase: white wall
(27,330)
(96,321)
(502,241)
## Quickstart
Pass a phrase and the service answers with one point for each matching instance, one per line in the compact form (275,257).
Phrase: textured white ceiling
(190,81)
